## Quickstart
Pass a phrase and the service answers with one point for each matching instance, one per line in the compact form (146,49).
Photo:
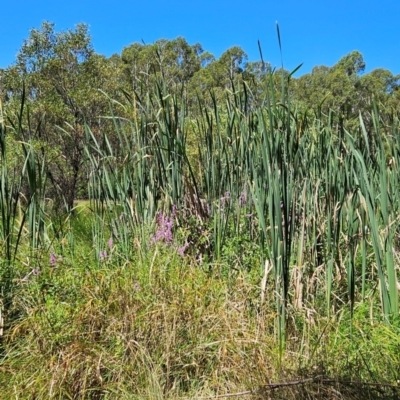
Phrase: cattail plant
(22,197)
(323,201)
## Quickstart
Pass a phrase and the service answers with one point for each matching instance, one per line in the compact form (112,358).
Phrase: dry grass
(159,329)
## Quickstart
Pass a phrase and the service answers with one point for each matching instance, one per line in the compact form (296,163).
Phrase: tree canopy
(68,86)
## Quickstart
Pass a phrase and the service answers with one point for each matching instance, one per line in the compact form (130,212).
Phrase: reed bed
(320,202)
(285,225)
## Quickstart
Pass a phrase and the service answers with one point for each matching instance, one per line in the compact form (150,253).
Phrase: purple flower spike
(103,255)
(110,243)
(53,259)
(164,229)
(242,199)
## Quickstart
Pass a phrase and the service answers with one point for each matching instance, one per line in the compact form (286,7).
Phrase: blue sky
(313,32)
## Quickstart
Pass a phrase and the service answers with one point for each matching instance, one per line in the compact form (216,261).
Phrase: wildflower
(110,243)
(182,249)
(53,260)
(242,199)
(164,229)
(103,255)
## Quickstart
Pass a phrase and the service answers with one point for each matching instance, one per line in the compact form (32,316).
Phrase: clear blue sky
(314,32)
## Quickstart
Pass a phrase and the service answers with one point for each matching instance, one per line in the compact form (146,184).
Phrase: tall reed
(22,198)
(324,200)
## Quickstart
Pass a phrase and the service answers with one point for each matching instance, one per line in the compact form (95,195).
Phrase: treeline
(65,87)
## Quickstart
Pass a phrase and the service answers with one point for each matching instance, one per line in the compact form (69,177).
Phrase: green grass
(164,328)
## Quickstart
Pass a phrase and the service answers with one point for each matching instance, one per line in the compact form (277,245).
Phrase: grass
(164,328)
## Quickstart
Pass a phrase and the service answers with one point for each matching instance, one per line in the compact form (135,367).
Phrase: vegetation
(176,226)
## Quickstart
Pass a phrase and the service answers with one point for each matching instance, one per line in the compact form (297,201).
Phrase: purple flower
(110,243)
(103,255)
(53,259)
(242,199)
(182,249)
(164,229)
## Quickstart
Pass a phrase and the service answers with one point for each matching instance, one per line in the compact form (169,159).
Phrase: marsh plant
(255,250)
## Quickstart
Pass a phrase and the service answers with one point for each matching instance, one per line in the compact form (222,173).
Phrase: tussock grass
(165,328)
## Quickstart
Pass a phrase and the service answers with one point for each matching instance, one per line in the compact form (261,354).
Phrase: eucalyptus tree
(61,76)
(332,89)
(176,61)
(219,73)
(347,91)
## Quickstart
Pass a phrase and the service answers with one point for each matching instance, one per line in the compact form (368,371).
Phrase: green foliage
(163,328)
(62,76)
